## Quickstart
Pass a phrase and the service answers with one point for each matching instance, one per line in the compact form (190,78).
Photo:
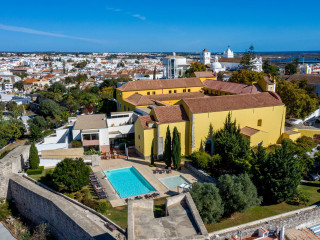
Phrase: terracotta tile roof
(232,102)
(145,120)
(169,114)
(204,74)
(230,87)
(31,80)
(248,131)
(231,60)
(161,84)
(312,78)
(143,100)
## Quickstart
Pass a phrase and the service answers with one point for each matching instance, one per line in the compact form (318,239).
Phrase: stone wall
(66,220)
(201,174)
(295,219)
(14,162)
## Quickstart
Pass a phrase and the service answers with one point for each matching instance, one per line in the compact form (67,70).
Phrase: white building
(228,53)
(205,57)
(216,66)
(175,66)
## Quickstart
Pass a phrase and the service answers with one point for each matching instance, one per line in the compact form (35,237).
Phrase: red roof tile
(230,87)
(232,102)
(169,114)
(161,84)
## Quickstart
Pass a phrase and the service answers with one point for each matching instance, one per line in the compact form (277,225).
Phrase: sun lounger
(169,170)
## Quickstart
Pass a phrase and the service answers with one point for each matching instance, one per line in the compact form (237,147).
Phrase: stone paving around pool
(147,172)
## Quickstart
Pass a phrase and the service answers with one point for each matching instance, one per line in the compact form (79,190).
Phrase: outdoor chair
(169,170)
(110,226)
(163,170)
(155,171)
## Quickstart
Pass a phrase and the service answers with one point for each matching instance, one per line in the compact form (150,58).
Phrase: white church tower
(205,57)
(228,53)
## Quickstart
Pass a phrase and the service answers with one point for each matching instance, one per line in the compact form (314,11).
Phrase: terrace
(148,173)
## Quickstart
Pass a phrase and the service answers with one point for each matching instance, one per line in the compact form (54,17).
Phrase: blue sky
(176,25)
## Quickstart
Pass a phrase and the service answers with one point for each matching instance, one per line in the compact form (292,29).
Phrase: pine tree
(176,149)
(34,159)
(201,149)
(152,154)
(279,174)
(167,149)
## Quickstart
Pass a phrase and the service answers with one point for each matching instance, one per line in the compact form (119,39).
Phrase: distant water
(308,60)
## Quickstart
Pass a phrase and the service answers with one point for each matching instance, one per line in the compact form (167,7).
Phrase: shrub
(39,170)
(70,175)
(76,144)
(208,201)
(92,151)
(103,207)
(4,209)
(78,196)
(200,159)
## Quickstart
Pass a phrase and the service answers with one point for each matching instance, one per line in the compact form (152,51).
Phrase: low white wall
(53,146)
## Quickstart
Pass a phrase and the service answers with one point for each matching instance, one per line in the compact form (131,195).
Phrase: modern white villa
(94,131)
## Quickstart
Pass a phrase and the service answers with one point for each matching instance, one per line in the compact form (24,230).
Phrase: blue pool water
(173,182)
(128,182)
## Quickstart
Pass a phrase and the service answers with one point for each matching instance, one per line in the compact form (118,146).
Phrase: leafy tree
(277,175)
(290,68)
(195,67)
(18,85)
(232,146)
(247,59)
(22,75)
(81,64)
(107,93)
(70,175)
(34,159)
(36,126)
(246,76)
(57,87)
(10,130)
(220,76)
(167,149)
(238,193)
(298,103)
(208,201)
(269,69)
(176,149)
(11,106)
(50,108)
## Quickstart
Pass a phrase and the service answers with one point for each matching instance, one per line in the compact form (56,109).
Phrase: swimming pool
(128,182)
(173,182)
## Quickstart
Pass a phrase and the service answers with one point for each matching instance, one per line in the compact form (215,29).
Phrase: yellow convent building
(192,105)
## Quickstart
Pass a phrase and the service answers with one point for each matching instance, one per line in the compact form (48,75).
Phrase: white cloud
(37,32)
(139,16)
(128,13)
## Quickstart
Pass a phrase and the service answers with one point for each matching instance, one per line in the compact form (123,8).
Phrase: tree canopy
(167,154)
(70,175)
(233,148)
(298,102)
(34,159)
(195,67)
(176,149)
(269,69)
(276,175)
(247,59)
(208,201)
(238,193)
(246,76)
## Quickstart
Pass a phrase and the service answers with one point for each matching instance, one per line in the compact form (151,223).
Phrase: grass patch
(259,212)
(38,177)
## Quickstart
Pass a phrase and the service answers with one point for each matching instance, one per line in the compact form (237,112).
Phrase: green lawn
(38,176)
(260,212)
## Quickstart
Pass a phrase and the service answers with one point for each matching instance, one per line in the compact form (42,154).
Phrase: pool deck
(143,168)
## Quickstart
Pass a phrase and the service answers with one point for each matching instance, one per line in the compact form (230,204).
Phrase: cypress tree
(34,159)
(167,148)
(176,149)
(152,154)
(154,72)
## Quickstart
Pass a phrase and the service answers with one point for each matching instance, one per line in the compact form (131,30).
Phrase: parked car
(312,177)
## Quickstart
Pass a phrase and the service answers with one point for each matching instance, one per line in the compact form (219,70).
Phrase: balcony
(86,143)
